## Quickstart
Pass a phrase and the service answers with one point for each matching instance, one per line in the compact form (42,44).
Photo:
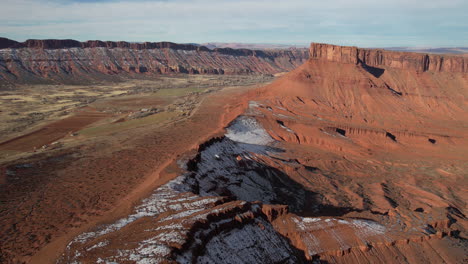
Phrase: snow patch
(366,228)
(247,130)
(98,245)
(310,220)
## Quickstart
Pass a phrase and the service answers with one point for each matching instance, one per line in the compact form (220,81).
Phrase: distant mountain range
(456,50)
(259,46)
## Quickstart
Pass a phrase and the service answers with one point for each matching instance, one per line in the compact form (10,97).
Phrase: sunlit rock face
(383,58)
(69,61)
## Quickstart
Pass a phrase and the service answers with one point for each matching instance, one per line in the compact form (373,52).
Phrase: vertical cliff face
(382,58)
(334,53)
(71,61)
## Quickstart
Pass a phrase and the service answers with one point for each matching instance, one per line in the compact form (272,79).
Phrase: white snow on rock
(164,199)
(367,228)
(98,245)
(241,172)
(335,230)
(247,130)
(250,244)
(154,249)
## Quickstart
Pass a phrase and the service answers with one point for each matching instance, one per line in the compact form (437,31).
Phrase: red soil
(53,132)
(49,201)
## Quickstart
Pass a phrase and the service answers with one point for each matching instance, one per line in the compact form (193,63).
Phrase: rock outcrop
(394,59)
(71,61)
(7,43)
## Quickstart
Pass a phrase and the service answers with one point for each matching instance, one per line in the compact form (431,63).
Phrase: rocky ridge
(71,61)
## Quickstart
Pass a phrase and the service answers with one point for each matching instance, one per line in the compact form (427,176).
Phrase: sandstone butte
(357,156)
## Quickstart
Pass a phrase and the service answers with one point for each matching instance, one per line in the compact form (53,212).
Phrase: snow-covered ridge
(175,207)
(211,214)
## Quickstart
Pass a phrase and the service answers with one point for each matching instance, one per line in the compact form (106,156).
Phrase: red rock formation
(62,61)
(382,58)
(362,124)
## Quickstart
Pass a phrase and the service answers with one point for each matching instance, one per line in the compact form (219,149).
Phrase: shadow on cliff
(376,72)
(279,189)
(225,168)
(300,200)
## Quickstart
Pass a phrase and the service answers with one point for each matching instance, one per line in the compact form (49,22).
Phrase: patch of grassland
(178,91)
(18,98)
(115,127)
(28,107)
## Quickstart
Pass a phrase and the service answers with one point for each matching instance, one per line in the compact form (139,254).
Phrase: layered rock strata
(394,59)
(70,61)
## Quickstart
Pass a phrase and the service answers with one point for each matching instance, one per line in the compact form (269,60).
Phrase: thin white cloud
(362,22)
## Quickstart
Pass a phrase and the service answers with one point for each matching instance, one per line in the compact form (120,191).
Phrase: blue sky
(365,23)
